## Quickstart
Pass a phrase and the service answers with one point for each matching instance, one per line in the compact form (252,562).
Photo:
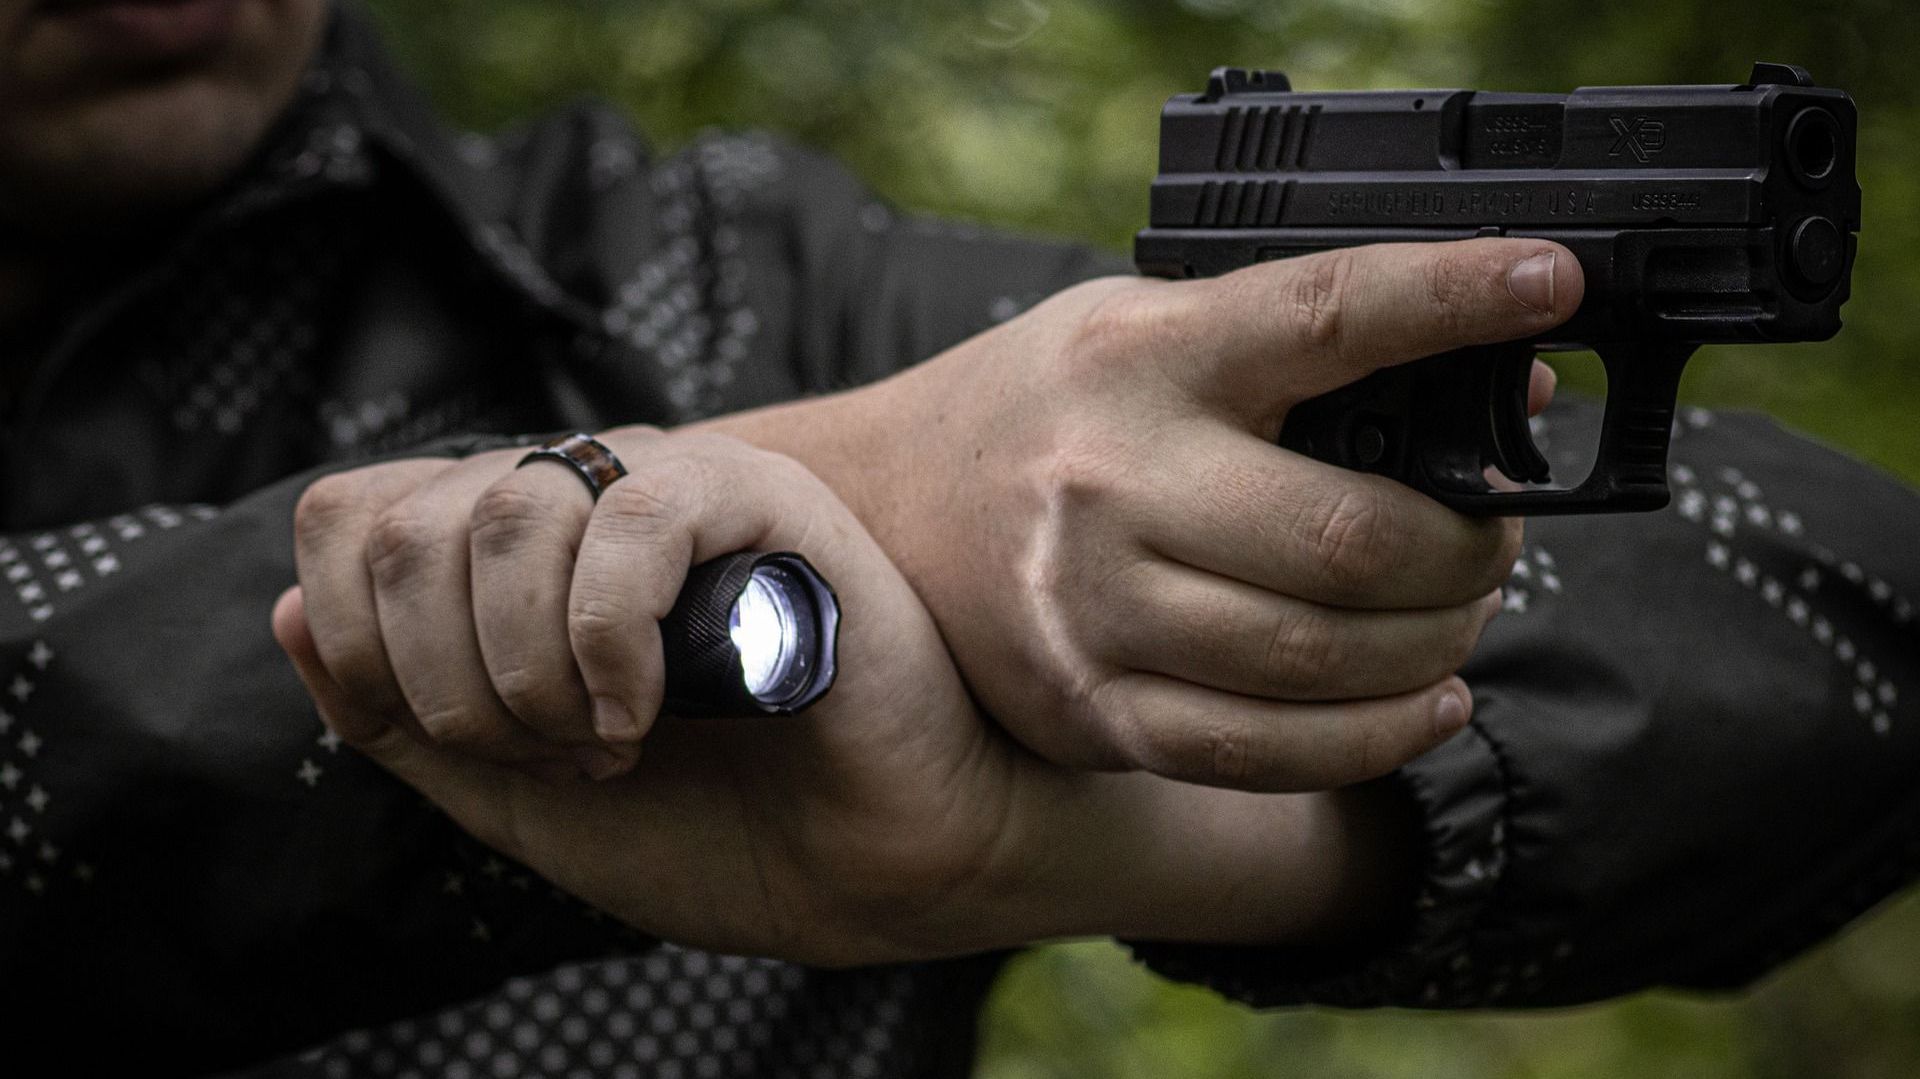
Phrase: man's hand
(1130,574)
(451,612)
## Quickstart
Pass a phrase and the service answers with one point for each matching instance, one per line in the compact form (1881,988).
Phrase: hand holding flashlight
(503,607)
(889,821)
(693,597)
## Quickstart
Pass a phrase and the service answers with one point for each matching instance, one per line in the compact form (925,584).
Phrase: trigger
(1514,453)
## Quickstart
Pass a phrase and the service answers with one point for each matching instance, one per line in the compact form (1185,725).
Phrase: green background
(1042,114)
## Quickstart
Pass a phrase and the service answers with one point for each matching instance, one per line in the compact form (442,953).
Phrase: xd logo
(1642,137)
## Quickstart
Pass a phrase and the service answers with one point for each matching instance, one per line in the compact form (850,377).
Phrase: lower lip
(150,29)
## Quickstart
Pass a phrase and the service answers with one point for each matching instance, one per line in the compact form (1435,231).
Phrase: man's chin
(115,112)
(102,164)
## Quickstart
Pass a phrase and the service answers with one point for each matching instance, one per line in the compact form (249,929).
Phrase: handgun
(1699,214)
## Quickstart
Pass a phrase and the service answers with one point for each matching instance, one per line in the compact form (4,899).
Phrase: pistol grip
(1440,423)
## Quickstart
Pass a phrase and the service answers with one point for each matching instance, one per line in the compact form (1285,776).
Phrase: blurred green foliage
(1041,115)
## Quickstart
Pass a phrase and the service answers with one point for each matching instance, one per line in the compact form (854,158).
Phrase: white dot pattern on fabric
(1816,595)
(686,305)
(29,856)
(1728,504)
(674,1011)
(1808,595)
(51,565)
(1533,575)
(393,421)
(246,338)
(43,570)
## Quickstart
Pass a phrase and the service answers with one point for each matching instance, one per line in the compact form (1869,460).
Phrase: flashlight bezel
(705,673)
(818,609)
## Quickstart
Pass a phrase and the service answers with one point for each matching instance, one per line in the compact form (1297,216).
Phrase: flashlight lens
(751,633)
(770,626)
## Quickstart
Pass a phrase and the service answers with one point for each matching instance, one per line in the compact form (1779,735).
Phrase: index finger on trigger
(1542,380)
(1285,331)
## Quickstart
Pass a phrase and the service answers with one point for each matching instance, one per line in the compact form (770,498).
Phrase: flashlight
(751,633)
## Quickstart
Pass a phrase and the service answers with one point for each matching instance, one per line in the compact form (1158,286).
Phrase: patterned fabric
(1692,752)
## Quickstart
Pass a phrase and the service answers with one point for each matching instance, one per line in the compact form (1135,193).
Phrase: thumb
(1284,331)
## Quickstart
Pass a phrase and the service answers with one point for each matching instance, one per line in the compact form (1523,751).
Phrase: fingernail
(1531,281)
(1450,713)
(612,722)
(600,764)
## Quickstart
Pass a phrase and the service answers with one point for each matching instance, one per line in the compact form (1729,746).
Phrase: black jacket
(1693,753)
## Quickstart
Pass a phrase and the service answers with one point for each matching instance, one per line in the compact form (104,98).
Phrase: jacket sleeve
(183,847)
(903,287)
(1693,749)
(838,286)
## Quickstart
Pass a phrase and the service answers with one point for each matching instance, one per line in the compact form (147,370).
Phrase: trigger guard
(1510,440)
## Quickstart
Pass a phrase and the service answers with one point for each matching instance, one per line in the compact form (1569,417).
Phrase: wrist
(842,438)
(1140,857)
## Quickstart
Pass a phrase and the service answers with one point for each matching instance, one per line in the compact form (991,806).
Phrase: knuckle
(457,726)
(1450,286)
(1230,756)
(1301,651)
(1351,542)
(598,627)
(362,670)
(1091,291)
(529,692)
(1485,557)
(1460,645)
(1510,533)
(505,517)
(325,505)
(1120,323)
(1108,709)
(1085,468)
(1223,749)
(400,543)
(1114,732)
(645,501)
(1319,298)
(1083,706)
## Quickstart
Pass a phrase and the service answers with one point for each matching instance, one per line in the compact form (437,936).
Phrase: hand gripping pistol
(1700,215)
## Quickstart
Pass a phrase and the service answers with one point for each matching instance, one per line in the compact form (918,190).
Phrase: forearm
(1136,856)
(839,439)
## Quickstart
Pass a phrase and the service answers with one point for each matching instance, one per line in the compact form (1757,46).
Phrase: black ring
(595,464)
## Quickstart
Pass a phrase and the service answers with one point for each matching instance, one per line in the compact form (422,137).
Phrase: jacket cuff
(1434,957)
